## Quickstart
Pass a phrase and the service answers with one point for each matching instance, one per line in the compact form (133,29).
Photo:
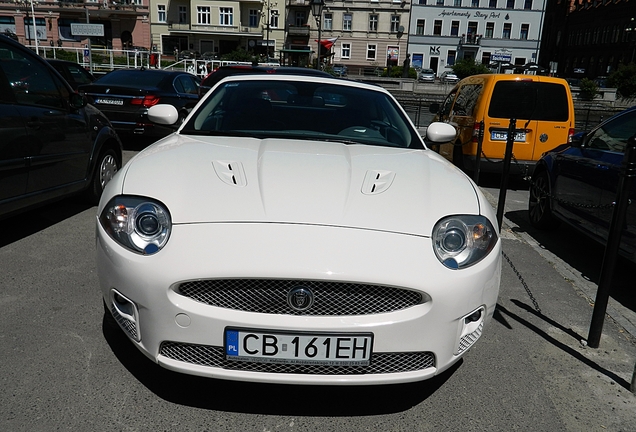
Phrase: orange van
(542,107)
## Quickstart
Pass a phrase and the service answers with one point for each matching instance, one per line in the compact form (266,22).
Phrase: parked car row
(52,143)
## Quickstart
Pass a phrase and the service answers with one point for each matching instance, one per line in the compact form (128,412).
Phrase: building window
(437,28)
(421,2)
(373,23)
(273,18)
(450,58)
(440,3)
(395,23)
(419,27)
(527,4)
(327,21)
(254,17)
(226,16)
(161,13)
(490,30)
(457,3)
(492,4)
(345,51)
(183,14)
(371,52)
(510,4)
(301,18)
(524,31)
(507,29)
(475,3)
(485,58)
(454,28)
(203,14)
(346,22)
(472,29)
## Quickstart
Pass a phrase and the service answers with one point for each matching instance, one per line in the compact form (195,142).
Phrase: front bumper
(176,331)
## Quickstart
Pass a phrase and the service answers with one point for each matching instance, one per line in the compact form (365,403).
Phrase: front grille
(270,296)
(381,363)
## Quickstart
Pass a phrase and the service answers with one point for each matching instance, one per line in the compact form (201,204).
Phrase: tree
(467,67)
(589,89)
(624,81)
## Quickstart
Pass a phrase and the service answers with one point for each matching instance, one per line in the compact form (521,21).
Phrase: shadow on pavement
(273,399)
(582,254)
(502,311)
(30,222)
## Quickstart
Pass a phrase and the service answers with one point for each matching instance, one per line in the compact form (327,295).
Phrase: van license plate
(503,136)
(334,349)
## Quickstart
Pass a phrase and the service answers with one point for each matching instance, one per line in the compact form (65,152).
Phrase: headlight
(139,224)
(461,241)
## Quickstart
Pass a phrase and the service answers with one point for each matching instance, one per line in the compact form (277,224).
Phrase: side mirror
(439,132)
(163,114)
(77,101)
(577,139)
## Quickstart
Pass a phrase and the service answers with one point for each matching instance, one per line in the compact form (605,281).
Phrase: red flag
(327,43)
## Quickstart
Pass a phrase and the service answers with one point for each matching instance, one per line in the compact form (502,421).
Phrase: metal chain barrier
(523,282)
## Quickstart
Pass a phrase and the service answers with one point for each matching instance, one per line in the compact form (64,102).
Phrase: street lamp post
(316,10)
(35,32)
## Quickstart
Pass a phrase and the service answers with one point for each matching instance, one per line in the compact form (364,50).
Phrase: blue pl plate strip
(231,342)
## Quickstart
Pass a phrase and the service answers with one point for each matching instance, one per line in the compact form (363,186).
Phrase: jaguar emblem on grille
(300,298)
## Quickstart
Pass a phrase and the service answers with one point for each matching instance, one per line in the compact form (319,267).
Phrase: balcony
(298,30)
(470,40)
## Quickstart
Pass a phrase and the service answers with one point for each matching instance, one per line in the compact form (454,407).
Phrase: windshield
(269,108)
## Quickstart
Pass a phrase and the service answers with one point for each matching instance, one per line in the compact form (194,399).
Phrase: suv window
(33,84)
(529,100)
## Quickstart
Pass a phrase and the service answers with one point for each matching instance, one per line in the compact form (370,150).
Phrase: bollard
(506,171)
(628,172)
(480,141)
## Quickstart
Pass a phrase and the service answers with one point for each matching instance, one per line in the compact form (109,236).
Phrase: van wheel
(539,210)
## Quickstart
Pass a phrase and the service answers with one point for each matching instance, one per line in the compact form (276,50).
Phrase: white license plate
(104,101)
(503,136)
(336,349)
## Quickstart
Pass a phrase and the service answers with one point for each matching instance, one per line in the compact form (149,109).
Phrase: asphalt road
(62,370)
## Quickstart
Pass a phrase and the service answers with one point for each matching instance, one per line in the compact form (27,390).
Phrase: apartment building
(494,32)
(48,23)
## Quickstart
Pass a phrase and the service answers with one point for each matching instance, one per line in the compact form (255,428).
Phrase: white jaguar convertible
(297,230)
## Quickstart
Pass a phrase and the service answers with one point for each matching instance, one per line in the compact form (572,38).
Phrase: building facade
(48,23)
(589,38)
(217,27)
(497,33)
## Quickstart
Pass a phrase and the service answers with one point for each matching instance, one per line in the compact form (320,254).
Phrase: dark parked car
(73,73)
(52,144)
(576,183)
(218,74)
(189,55)
(125,95)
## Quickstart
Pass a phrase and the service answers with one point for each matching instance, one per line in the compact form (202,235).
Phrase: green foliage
(467,67)
(624,81)
(589,89)
(240,55)
(396,72)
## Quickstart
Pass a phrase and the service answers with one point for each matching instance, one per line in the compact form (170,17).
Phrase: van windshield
(529,100)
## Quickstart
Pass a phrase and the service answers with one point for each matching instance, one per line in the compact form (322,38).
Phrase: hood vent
(230,172)
(377,181)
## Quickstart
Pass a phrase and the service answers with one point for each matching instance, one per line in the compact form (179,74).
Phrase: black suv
(218,74)
(52,144)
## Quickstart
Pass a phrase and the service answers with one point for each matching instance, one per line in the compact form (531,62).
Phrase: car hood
(221,179)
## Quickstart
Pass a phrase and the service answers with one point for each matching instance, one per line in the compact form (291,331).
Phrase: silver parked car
(426,75)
